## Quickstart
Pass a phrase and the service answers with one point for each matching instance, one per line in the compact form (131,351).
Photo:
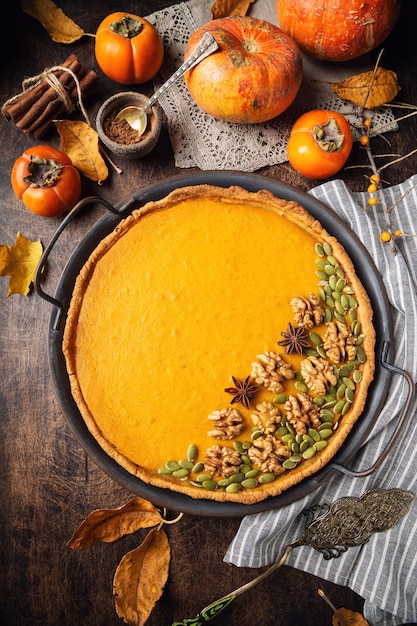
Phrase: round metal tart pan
(365,270)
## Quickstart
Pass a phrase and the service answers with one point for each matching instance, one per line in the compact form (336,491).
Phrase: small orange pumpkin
(337,30)
(253,76)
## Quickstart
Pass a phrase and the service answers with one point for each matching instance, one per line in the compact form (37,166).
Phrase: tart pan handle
(401,420)
(42,263)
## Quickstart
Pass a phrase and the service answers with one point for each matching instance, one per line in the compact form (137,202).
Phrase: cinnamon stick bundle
(34,110)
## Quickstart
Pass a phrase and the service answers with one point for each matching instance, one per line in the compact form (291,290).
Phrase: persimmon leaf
(140,578)
(369,89)
(20,261)
(108,525)
(230,8)
(80,142)
(60,28)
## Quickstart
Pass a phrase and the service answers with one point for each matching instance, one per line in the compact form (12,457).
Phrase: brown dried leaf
(140,578)
(20,261)
(346,617)
(110,524)
(81,143)
(369,89)
(60,27)
(230,8)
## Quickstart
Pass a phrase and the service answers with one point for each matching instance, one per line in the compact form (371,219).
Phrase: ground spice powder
(120,131)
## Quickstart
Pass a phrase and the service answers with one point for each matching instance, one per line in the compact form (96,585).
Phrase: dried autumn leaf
(346,617)
(110,524)
(60,28)
(80,142)
(140,578)
(20,261)
(230,8)
(369,89)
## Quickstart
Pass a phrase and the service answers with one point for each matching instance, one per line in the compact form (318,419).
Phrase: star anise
(295,339)
(242,392)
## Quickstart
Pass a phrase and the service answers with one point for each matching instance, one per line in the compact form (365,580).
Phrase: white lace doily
(198,140)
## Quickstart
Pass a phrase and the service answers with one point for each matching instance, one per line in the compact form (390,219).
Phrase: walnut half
(317,374)
(308,312)
(228,424)
(270,370)
(339,342)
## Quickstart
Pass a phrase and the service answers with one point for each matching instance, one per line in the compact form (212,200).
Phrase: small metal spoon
(137,116)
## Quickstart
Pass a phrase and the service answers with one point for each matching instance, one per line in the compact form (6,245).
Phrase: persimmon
(128,48)
(45,179)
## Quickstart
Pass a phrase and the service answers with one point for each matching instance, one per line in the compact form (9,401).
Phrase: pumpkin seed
(300,386)
(330,302)
(246,460)
(341,283)
(290,428)
(331,259)
(237,478)
(238,447)
(280,398)
(340,272)
(358,329)
(319,249)
(319,400)
(322,294)
(333,281)
(309,453)
(349,395)
(249,483)
(281,431)
(288,438)
(313,434)
(330,404)
(296,458)
(303,446)
(330,270)
(185,464)
(180,473)
(246,445)
(325,426)
(289,464)
(336,295)
(172,465)
(328,289)
(340,317)
(224,482)
(357,376)
(348,289)
(201,478)
(321,263)
(195,484)
(325,433)
(320,445)
(321,352)
(345,302)
(321,274)
(192,452)
(338,408)
(268,477)
(308,439)
(352,315)
(328,250)
(352,302)
(315,338)
(340,308)
(245,469)
(349,383)
(198,467)
(164,471)
(360,339)
(326,415)
(253,473)
(341,391)
(311,351)
(295,447)
(346,408)
(256,434)
(327,316)
(210,485)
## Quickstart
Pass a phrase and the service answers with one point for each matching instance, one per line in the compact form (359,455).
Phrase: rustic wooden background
(47,485)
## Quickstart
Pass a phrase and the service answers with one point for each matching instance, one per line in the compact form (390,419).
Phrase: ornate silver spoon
(137,116)
(330,529)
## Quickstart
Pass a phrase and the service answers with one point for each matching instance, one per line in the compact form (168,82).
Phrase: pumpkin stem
(42,172)
(328,136)
(128,27)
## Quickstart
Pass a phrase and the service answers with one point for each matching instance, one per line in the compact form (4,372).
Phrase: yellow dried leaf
(140,578)
(20,261)
(369,89)
(110,524)
(230,8)
(346,617)
(81,143)
(60,27)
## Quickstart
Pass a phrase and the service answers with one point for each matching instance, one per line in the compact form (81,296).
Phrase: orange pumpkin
(253,76)
(337,30)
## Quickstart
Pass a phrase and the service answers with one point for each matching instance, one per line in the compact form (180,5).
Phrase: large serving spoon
(137,116)
(331,530)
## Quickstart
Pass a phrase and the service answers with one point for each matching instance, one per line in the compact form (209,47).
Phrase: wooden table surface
(48,485)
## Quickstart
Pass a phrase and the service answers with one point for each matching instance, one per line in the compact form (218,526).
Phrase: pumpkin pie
(220,344)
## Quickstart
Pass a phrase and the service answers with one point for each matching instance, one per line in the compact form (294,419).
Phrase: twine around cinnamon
(50,95)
